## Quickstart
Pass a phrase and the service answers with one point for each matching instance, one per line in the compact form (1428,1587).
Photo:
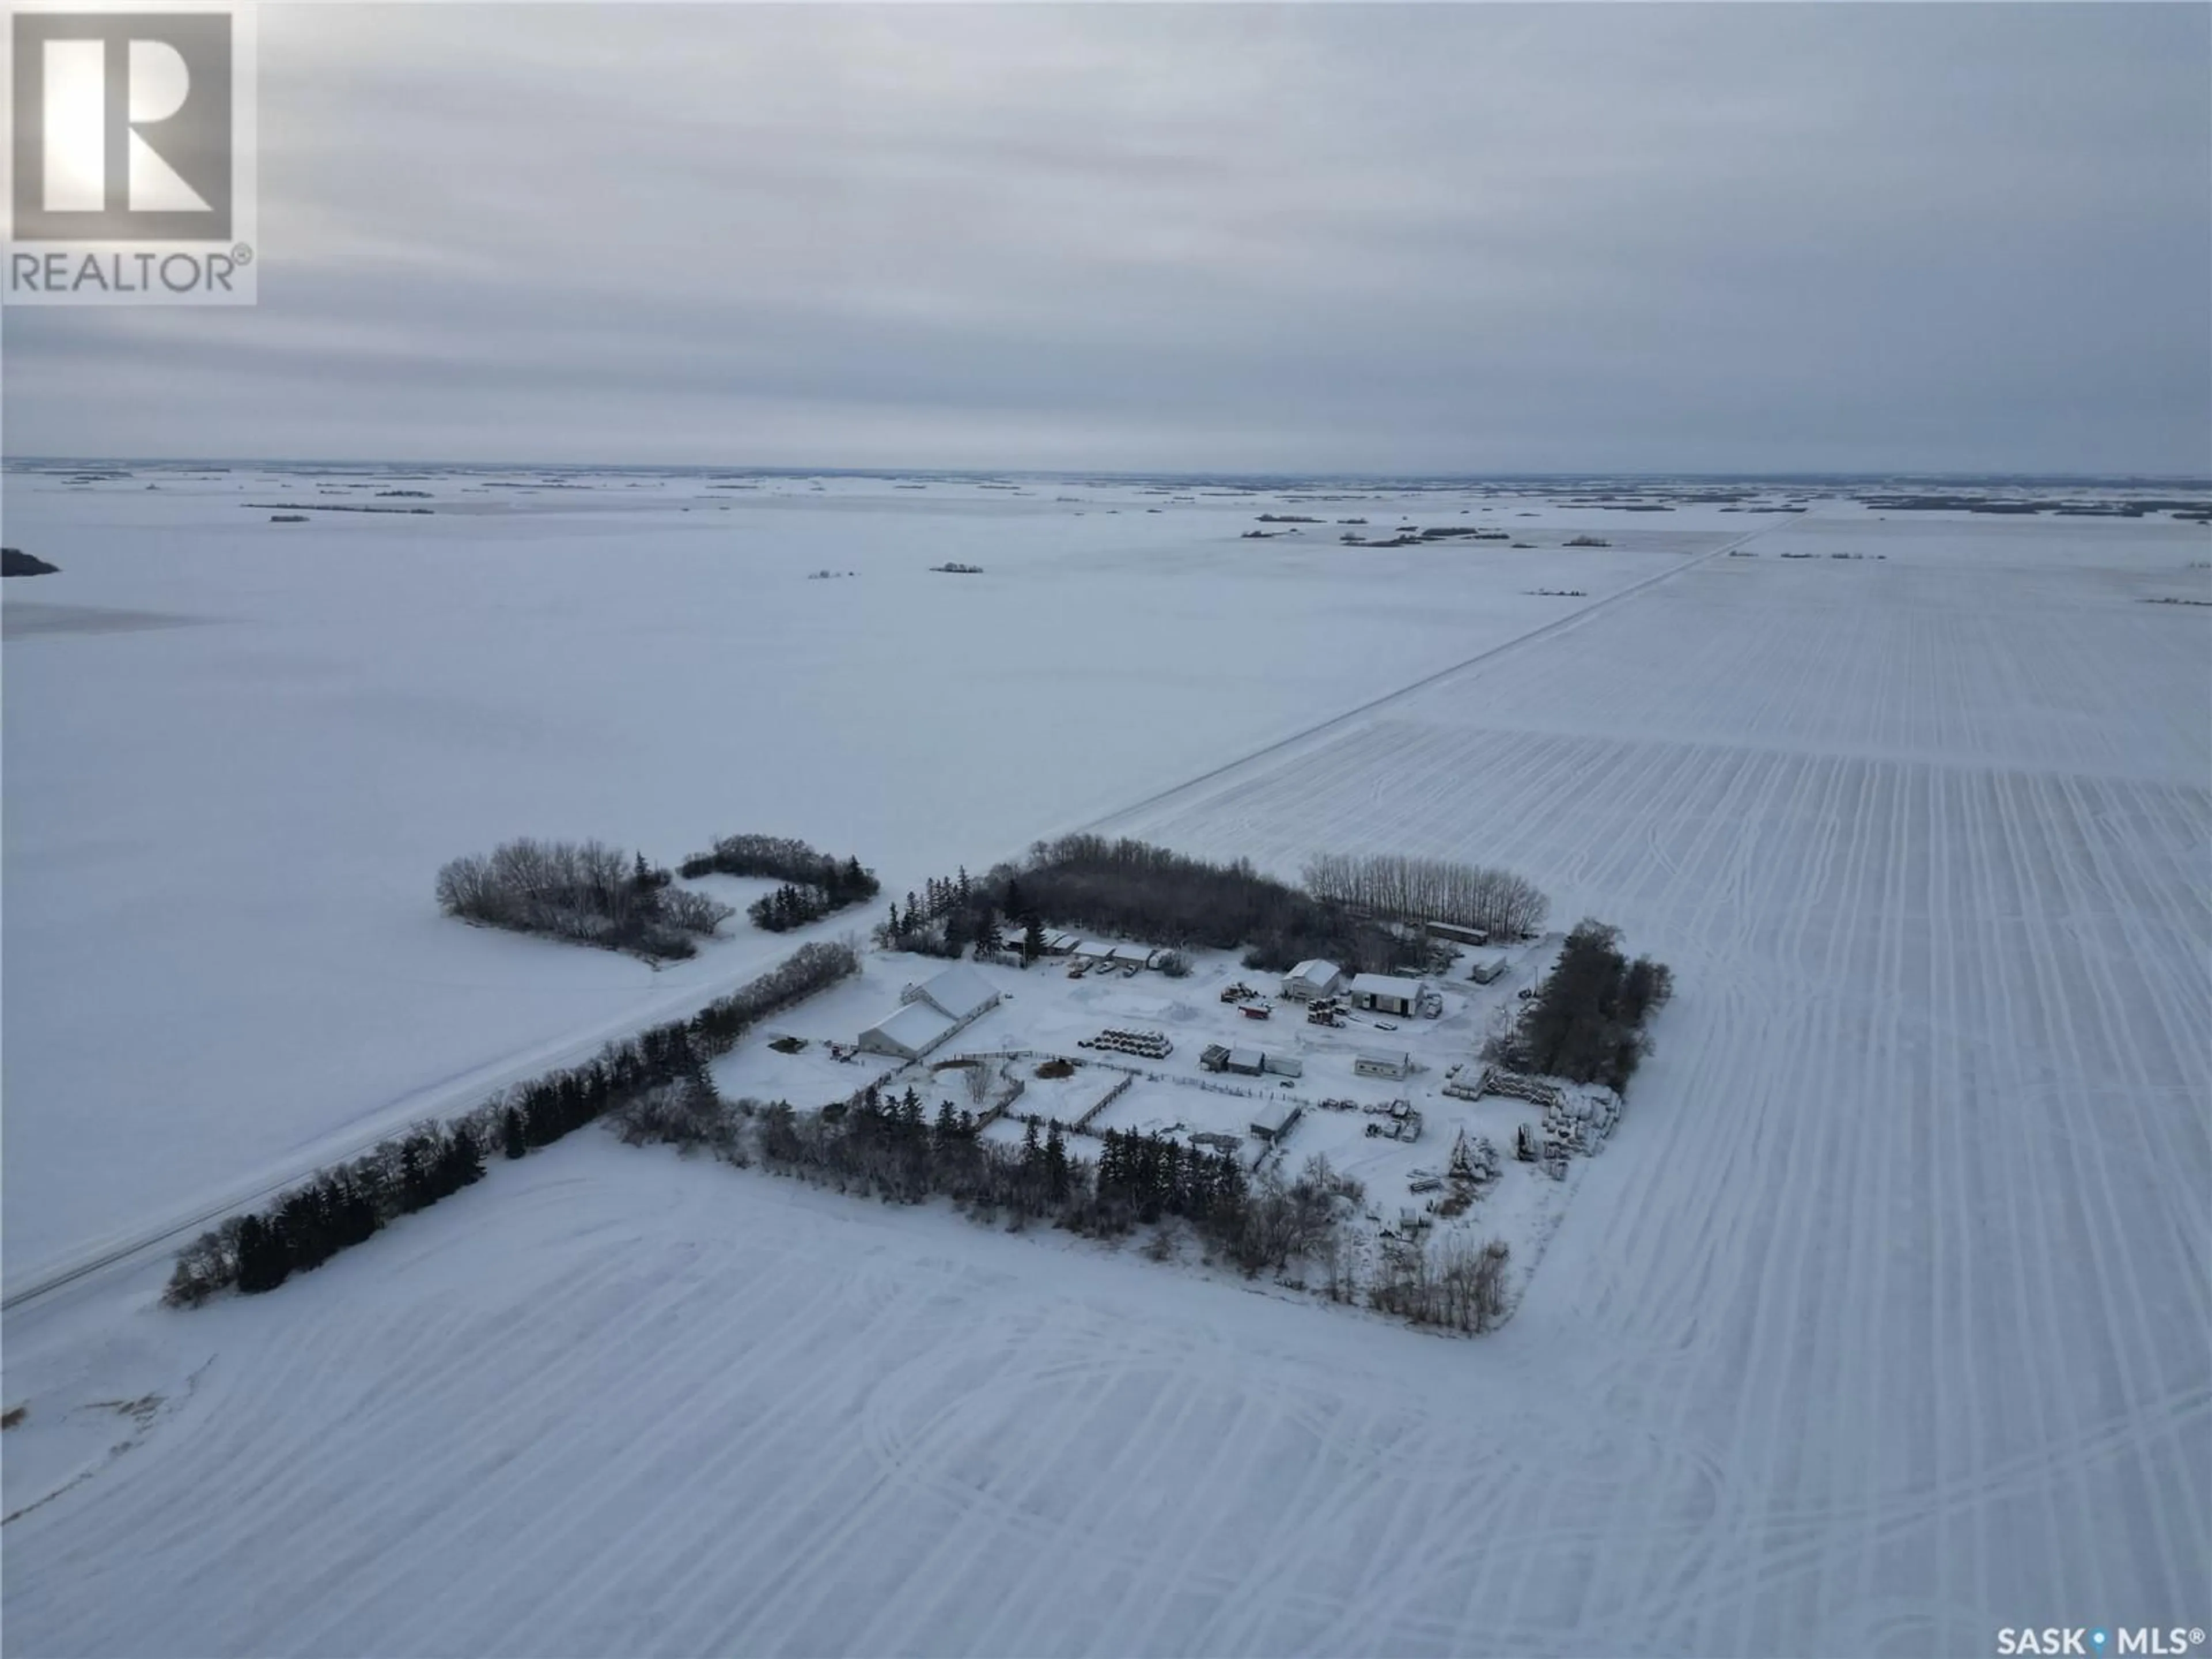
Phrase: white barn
(931,1011)
(1385,994)
(1309,980)
(908,1033)
(958,992)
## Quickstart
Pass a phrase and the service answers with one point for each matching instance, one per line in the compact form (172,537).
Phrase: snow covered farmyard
(1875,1162)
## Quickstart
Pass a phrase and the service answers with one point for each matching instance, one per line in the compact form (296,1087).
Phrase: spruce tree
(510,1133)
(1055,1164)
(264,1263)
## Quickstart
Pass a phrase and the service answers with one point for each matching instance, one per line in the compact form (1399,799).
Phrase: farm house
(1311,980)
(1375,1062)
(1384,993)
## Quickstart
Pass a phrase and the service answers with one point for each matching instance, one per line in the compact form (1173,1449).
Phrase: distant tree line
(584,891)
(1132,889)
(815,884)
(347,1205)
(1586,1022)
(1429,889)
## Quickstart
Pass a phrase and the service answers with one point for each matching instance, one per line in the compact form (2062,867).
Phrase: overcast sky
(1383,239)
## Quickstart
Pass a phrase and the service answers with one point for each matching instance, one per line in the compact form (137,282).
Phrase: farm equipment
(1473,1162)
(1257,1011)
(1404,1123)
(1239,992)
(1531,1145)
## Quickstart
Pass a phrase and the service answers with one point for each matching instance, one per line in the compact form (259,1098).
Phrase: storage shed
(1309,980)
(1283,1065)
(1376,1062)
(1271,1121)
(1384,993)
(1247,1062)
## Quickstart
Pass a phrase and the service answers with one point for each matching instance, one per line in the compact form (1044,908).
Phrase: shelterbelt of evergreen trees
(815,884)
(346,1206)
(1132,889)
(888,1146)
(1587,1020)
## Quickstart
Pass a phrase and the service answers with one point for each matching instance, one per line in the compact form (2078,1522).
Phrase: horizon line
(1701,474)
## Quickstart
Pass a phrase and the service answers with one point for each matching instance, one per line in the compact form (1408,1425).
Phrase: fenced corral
(1121,1086)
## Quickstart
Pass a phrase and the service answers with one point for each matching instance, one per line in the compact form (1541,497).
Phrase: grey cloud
(1333,237)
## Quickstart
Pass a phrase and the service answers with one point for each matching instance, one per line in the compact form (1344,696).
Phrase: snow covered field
(1882,1324)
(220,837)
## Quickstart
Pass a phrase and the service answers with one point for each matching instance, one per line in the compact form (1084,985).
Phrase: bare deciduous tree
(1428,890)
